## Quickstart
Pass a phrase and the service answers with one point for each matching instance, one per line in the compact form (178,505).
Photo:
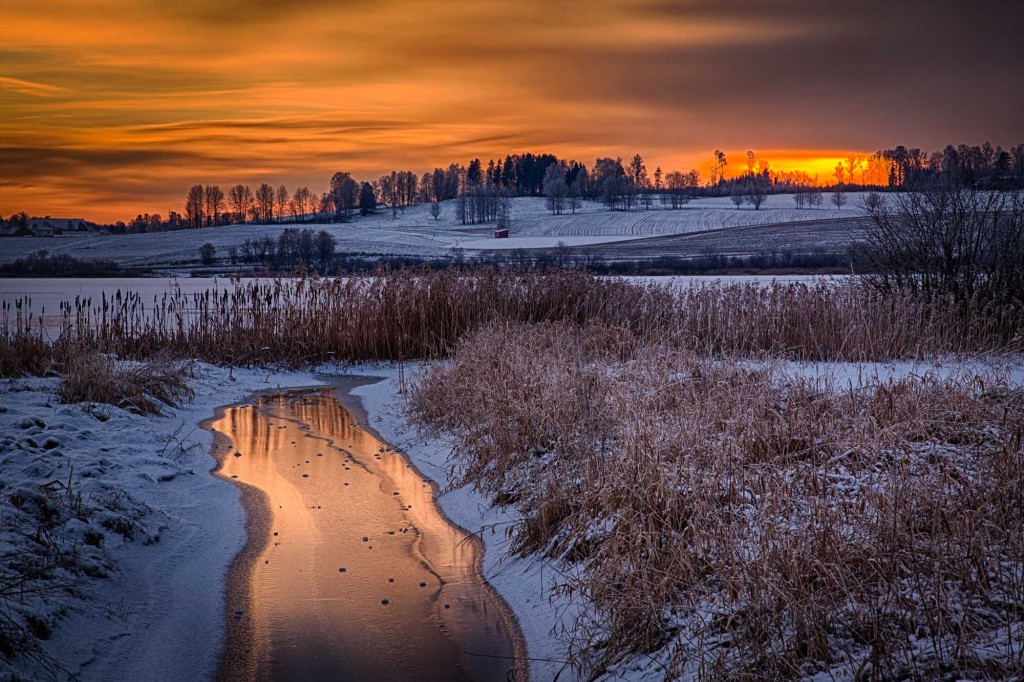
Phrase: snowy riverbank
(524,584)
(147,533)
(118,529)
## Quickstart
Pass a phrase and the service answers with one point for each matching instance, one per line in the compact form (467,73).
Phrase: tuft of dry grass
(142,387)
(742,523)
(23,347)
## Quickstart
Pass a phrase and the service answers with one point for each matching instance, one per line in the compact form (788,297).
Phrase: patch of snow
(536,242)
(147,603)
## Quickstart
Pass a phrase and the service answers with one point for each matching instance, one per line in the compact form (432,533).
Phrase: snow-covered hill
(414,232)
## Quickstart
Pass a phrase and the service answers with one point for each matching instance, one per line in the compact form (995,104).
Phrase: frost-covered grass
(143,387)
(716,519)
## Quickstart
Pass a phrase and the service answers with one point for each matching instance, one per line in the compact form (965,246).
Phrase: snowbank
(131,534)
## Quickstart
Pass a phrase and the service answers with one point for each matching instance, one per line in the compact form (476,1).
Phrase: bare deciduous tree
(325,245)
(264,207)
(737,195)
(214,203)
(839,197)
(756,192)
(575,194)
(555,188)
(195,204)
(241,200)
(281,200)
(301,203)
(343,195)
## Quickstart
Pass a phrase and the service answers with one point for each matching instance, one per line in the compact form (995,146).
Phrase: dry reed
(23,347)
(422,314)
(743,524)
(739,523)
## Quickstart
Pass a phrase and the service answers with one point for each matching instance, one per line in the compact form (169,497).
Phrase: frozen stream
(351,572)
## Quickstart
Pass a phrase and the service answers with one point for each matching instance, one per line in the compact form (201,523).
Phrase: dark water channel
(351,571)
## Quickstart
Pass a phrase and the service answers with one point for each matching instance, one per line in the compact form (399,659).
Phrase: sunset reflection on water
(351,525)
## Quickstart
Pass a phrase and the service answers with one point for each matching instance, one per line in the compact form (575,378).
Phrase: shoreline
(355,404)
(239,635)
(523,583)
(146,603)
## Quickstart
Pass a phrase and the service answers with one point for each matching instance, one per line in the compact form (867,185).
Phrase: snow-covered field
(415,233)
(509,243)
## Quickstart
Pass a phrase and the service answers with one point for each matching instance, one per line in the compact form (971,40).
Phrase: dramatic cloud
(112,107)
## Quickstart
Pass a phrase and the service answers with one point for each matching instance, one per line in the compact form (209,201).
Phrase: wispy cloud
(23,87)
(116,106)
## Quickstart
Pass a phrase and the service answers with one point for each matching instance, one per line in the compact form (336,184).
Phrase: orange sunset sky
(110,108)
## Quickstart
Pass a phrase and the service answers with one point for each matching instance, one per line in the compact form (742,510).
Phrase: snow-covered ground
(144,533)
(414,232)
(153,532)
(506,244)
(132,532)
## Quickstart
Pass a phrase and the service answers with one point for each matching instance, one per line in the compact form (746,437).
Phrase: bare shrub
(742,523)
(143,387)
(951,241)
